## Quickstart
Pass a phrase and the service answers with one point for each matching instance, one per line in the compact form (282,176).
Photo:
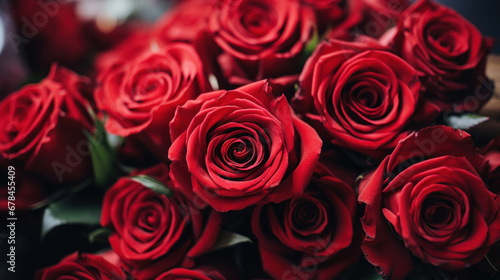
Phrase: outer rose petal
(380,241)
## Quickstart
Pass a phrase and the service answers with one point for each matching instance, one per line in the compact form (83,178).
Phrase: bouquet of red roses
(250,139)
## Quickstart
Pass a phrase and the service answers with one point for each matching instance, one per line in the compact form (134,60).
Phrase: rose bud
(82,267)
(44,127)
(314,235)
(233,149)
(449,54)
(360,96)
(153,232)
(428,200)
(140,96)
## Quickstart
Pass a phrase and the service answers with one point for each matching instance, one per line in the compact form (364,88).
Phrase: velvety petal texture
(153,232)
(260,39)
(140,96)
(315,235)
(428,200)
(241,147)
(48,119)
(449,54)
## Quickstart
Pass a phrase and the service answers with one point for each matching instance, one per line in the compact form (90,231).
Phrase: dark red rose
(239,148)
(185,21)
(314,235)
(328,12)
(134,44)
(261,39)
(448,52)
(153,232)
(427,199)
(51,31)
(27,189)
(140,96)
(82,267)
(491,168)
(182,273)
(44,127)
(364,97)
(374,17)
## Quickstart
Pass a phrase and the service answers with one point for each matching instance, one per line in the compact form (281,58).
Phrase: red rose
(140,96)
(328,12)
(185,21)
(310,236)
(260,39)
(364,97)
(153,232)
(51,31)
(182,273)
(427,199)
(44,127)
(242,147)
(134,44)
(491,168)
(449,54)
(84,267)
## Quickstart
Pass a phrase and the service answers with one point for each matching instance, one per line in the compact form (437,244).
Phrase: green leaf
(74,210)
(465,121)
(104,159)
(296,86)
(153,184)
(229,239)
(311,45)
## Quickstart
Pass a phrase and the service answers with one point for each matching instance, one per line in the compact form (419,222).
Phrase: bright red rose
(449,54)
(140,96)
(427,199)
(362,96)
(182,273)
(314,235)
(239,148)
(82,267)
(44,127)
(261,39)
(153,232)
